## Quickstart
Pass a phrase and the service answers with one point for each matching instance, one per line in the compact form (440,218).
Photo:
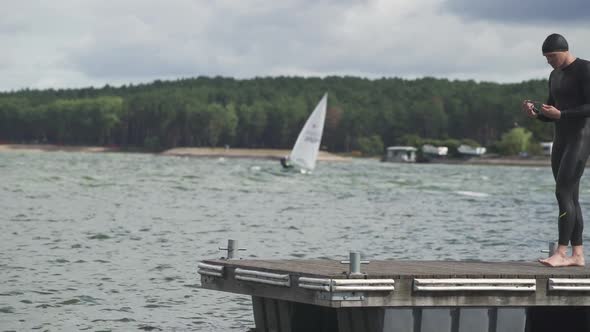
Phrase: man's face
(556,59)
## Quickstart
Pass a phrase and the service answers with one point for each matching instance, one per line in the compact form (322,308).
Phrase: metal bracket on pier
(232,248)
(346,289)
(347,285)
(476,284)
(354,264)
(552,248)
(342,296)
(210,270)
(261,277)
(566,284)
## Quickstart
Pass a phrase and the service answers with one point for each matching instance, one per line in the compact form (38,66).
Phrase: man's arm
(583,110)
(550,101)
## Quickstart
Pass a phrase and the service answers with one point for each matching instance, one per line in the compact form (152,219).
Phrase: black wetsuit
(569,92)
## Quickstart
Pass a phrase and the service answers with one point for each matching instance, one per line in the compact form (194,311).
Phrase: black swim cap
(555,43)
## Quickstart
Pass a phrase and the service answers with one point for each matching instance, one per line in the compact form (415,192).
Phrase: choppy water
(110,242)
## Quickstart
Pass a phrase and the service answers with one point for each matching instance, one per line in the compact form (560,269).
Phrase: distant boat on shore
(547,147)
(431,153)
(470,151)
(435,151)
(406,154)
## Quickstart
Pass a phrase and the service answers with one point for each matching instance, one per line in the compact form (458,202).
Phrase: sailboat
(305,151)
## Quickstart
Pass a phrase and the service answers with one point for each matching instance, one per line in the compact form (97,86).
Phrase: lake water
(111,242)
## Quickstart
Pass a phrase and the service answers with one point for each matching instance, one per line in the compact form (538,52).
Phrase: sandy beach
(262,153)
(510,161)
(245,153)
(52,147)
(186,151)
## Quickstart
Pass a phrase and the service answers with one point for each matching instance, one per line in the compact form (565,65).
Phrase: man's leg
(577,258)
(557,153)
(568,177)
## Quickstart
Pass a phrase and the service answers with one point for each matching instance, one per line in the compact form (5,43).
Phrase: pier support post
(232,249)
(355,263)
(552,248)
(271,315)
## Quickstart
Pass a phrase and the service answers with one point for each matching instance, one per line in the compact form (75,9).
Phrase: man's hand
(527,108)
(550,112)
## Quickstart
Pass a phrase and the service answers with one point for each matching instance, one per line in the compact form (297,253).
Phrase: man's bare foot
(559,260)
(577,260)
(556,260)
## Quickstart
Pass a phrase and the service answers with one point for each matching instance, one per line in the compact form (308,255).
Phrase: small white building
(435,151)
(547,147)
(471,151)
(405,154)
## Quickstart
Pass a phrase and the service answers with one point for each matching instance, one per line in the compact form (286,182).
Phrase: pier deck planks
(411,269)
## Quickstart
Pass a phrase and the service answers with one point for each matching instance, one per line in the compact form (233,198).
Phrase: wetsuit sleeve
(584,109)
(550,101)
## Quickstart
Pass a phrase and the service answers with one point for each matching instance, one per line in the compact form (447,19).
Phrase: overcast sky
(80,43)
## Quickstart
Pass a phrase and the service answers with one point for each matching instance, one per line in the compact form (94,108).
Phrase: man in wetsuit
(568,107)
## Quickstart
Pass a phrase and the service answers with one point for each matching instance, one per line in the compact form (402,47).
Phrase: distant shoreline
(54,147)
(183,151)
(499,161)
(263,154)
(245,153)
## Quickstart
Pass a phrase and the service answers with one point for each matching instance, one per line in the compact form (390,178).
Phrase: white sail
(305,150)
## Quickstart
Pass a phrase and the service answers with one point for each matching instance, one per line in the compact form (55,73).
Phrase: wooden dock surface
(394,283)
(324,268)
(406,296)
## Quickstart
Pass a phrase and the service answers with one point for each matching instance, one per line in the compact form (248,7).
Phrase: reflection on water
(111,241)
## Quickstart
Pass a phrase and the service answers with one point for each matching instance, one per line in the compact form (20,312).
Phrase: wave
(472,193)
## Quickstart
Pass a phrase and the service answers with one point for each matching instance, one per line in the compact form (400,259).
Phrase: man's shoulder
(583,66)
(582,62)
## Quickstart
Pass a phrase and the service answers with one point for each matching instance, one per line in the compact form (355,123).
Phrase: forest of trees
(363,114)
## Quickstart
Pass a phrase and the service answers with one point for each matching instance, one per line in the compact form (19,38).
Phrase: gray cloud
(71,43)
(227,40)
(139,61)
(535,12)
(10,28)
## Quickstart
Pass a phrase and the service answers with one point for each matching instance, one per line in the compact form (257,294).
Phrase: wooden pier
(418,296)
